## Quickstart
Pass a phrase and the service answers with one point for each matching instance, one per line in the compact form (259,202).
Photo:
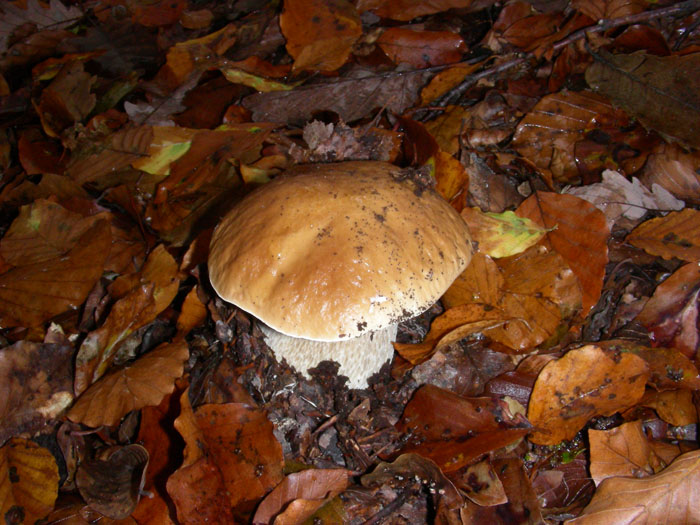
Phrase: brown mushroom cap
(333,251)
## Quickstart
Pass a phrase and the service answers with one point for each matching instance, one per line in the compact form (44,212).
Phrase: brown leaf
(231,457)
(35,385)
(112,483)
(350,98)
(579,233)
(157,286)
(597,9)
(622,451)
(452,430)
(28,481)
(675,170)
(43,230)
(548,133)
(675,235)
(586,382)
(408,9)
(455,324)
(67,99)
(421,48)
(55,16)
(143,383)
(481,484)
(192,314)
(300,495)
(32,294)
(662,92)
(320,34)
(670,496)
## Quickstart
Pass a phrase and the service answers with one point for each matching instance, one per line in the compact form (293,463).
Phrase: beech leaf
(584,383)
(671,496)
(675,235)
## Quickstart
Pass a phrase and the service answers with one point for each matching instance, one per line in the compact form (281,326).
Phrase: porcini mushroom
(331,257)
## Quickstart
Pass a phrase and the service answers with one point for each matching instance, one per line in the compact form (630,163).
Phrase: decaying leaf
(667,497)
(662,92)
(112,483)
(35,385)
(28,481)
(584,383)
(143,383)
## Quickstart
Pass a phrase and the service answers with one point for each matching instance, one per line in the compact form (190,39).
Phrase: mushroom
(331,257)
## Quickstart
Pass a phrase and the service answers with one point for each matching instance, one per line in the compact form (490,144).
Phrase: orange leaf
(675,235)
(319,33)
(143,383)
(670,496)
(586,382)
(28,481)
(231,457)
(579,234)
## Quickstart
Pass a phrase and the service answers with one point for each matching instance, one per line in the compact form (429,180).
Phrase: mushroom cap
(331,251)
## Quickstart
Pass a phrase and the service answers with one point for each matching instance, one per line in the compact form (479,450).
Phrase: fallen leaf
(666,497)
(501,234)
(670,315)
(584,383)
(143,383)
(619,198)
(112,483)
(675,170)
(676,407)
(662,92)
(35,386)
(622,451)
(33,294)
(55,16)
(421,48)
(675,235)
(28,481)
(320,34)
(408,9)
(300,495)
(157,286)
(577,230)
(231,457)
(481,484)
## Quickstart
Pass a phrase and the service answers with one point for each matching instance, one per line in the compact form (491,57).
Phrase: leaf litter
(555,380)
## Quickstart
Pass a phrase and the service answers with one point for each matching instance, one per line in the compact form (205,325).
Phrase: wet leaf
(676,407)
(300,495)
(28,481)
(143,383)
(586,382)
(156,287)
(421,48)
(36,385)
(112,483)
(502,234)
(34,293)
(578,232)
(662,92)
(675,235)
(675,170)
(407,9)
(666,497)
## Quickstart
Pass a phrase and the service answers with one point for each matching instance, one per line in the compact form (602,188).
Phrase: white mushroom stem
(359,358)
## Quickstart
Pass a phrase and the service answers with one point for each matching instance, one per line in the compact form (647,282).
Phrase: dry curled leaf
(584,383)
(143,383)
